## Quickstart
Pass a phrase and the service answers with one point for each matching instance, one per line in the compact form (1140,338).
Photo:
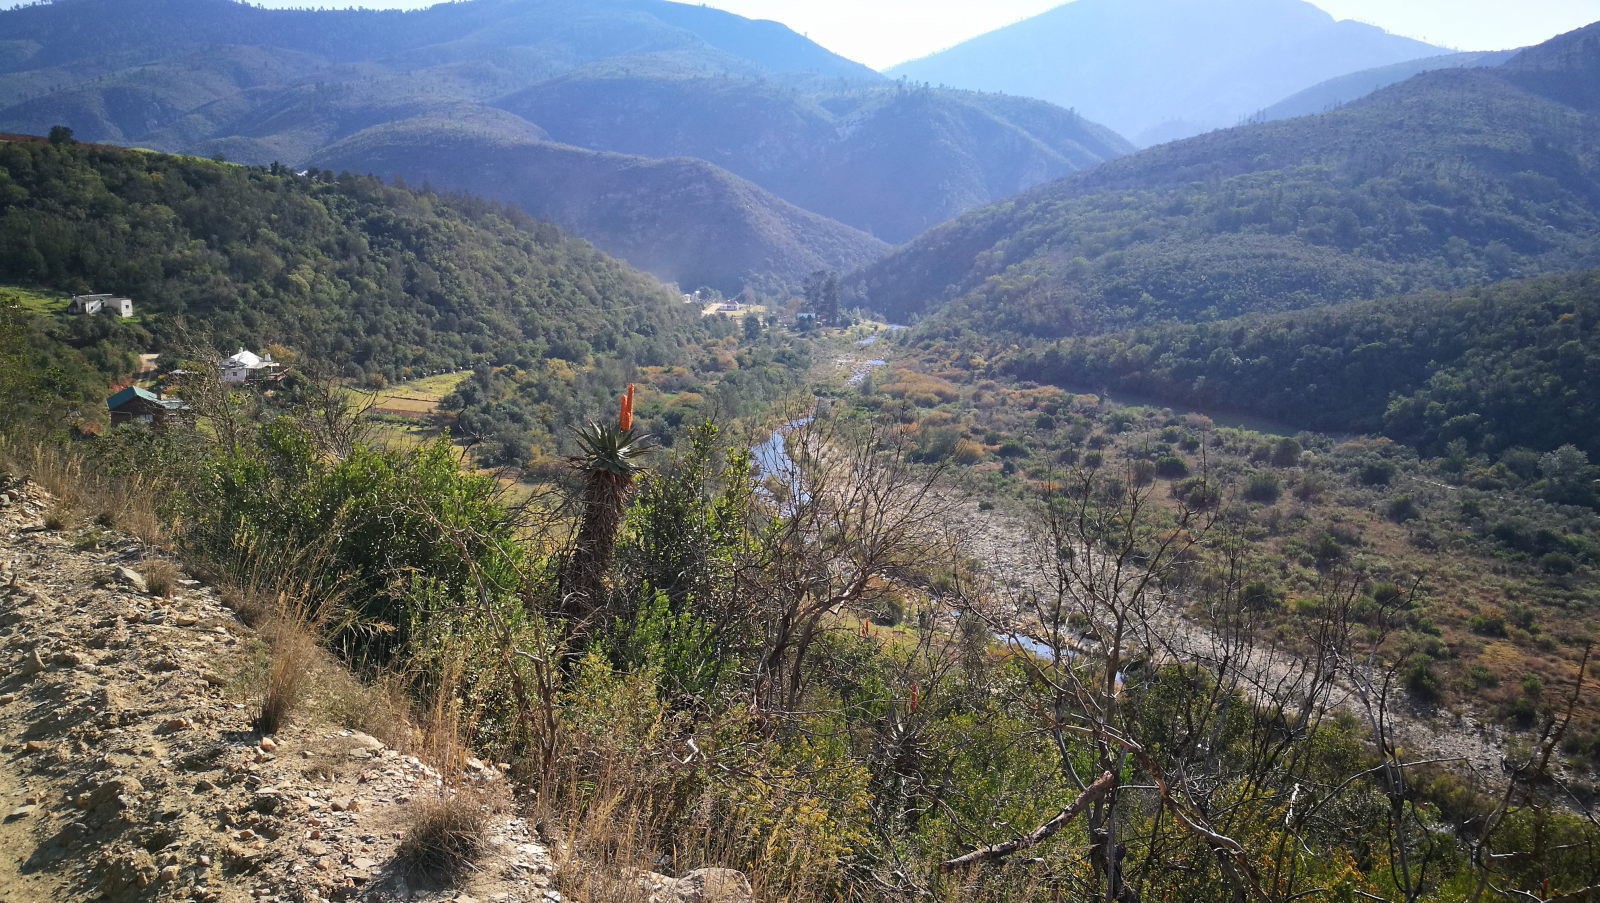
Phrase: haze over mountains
(784,123)
(1335,92)
(1159,70)
(1454,178)
(706,148)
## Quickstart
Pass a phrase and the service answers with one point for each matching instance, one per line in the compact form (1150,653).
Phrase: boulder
(707,886)
(133,579)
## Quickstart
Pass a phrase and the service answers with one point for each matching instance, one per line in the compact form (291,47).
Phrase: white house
(244,366)
(93,304)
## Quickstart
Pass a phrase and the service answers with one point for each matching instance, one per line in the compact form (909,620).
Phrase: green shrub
(1198,493)
(1263,487)
(1488,625)
(1172,467)
(1402,508)
(1259,595)
(1378,473)
(1011,448)
(1420,679)
(1558,563)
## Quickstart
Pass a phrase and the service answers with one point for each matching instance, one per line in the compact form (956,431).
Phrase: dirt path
(129,770)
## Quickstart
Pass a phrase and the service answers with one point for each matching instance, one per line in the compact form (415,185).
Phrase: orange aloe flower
(625,415)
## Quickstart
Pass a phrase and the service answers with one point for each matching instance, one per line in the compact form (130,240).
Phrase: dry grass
(294,656)
(58,517)
(277,591)
(379,708)
(126,503)
(446,837)
(440,721)
(603,851)
(160,577)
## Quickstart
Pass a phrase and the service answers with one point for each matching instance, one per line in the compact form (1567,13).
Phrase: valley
(625,452)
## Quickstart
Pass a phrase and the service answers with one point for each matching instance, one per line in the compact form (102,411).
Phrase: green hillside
(682,219)
(356,276)
(1511,365)
(1452,179)
(637,77)
(889,160)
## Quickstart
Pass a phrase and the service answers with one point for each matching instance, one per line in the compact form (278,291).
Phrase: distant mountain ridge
(1454,178)
(1159,70)
(825,157)
(682,219)
(1335,92)
(880,158)
(561,33)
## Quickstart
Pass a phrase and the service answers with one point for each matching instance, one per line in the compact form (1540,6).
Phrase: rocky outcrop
(129,769)
(703,886)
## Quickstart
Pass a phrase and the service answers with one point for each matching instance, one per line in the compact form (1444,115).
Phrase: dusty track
(129,769)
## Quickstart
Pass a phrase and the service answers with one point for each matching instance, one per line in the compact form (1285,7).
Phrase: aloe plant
(610,462)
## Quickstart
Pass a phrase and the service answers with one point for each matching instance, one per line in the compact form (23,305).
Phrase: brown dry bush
(160,577)
(446,837)
(58,517)
(294,655)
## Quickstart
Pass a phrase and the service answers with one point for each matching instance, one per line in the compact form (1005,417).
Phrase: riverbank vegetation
(1496,548)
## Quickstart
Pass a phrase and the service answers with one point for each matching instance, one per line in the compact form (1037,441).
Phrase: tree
(822,297)
(1202,728)
(848,507)
(60,134)
(1566,474)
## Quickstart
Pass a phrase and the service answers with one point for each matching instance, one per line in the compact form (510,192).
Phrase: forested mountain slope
(1158,70)
(682,219)
(886,159)
(363,277)
(1454,178)
(640,77)
(1512,364)
(1336,92)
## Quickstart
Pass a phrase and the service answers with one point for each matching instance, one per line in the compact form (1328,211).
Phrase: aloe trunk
(609,470)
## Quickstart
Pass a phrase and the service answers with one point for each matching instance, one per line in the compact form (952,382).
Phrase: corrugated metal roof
(131,392)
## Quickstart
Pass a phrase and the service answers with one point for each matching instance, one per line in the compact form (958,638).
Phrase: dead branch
(1091,795)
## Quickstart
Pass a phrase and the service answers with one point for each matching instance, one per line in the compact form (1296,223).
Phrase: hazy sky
(881,33)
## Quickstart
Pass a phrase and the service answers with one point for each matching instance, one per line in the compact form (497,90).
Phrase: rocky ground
(129,768)
(1004,543)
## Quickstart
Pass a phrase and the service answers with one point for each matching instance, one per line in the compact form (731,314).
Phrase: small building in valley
(94,304)
(136,405)
(247,366)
